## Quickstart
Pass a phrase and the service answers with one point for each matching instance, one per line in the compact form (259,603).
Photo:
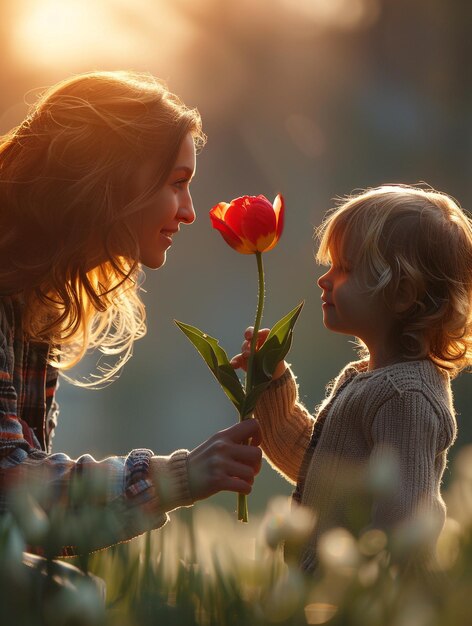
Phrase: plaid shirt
(28,414)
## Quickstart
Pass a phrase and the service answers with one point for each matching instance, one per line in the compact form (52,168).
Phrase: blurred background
(311,98)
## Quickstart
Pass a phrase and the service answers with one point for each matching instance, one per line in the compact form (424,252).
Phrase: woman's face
(160,216)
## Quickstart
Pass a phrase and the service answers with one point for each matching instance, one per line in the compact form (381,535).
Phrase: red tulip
(249,224)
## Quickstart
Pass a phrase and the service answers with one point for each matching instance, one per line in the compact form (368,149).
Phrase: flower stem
(242,498)
(257,324)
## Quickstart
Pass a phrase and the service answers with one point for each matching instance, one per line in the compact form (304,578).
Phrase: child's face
(348,308)
(158,220)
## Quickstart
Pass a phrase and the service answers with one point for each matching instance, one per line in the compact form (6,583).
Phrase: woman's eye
(180,183)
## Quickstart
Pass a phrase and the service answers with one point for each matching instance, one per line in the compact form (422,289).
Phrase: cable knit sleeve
(286,426)
(133,492)
(407,430)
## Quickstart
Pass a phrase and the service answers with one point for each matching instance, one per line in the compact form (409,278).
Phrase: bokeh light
(338,550)
(319,612)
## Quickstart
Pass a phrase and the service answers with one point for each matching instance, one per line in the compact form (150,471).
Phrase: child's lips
(326,303)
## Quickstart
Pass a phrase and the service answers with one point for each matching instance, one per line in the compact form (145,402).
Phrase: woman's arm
(135,491)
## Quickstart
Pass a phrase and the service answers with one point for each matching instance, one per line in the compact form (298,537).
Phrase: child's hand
(240,360)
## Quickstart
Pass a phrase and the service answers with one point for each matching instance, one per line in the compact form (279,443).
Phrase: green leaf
(274,350)
(217,360)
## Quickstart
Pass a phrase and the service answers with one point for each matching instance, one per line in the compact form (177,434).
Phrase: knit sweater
(397,422)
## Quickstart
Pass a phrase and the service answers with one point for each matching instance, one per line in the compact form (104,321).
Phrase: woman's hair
(67,175)
(415,245)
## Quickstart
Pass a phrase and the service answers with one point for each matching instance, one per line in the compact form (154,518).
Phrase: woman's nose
(186,212)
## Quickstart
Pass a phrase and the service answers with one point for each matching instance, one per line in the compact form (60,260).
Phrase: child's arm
(286,424)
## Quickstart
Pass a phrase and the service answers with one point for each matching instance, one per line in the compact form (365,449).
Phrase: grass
(205,568)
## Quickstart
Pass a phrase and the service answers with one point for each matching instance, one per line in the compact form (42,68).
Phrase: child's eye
(343,266)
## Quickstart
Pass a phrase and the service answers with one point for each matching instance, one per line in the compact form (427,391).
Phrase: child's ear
(405,296)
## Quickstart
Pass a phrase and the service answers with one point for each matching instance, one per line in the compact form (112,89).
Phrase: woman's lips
(168,235)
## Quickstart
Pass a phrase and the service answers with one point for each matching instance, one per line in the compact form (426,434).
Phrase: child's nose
(324,282)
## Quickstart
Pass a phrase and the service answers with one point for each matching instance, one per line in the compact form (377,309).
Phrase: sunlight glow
(54,30)
(57,33)
(337,14)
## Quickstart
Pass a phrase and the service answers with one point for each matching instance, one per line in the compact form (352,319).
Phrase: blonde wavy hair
(66,179)
(415,241)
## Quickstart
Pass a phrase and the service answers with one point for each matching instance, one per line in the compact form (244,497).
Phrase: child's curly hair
(66,179)
(411,244)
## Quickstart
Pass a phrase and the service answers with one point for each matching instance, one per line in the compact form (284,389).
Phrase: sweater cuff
(284,388)
(282,380)
(170,476)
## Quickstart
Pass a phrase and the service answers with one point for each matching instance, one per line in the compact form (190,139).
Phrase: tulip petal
(266,242)
(219,210)
(259,223)
(236,213)
(219,218)
(230,236)
(279,211)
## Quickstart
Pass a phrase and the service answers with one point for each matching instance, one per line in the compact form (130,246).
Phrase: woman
(93,184)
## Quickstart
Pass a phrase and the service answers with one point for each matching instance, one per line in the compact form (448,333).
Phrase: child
(400,281)
(94,183)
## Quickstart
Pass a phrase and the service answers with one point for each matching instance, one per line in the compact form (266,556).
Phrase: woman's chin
(154,262)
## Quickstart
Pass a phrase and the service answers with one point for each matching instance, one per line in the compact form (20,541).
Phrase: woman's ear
(405,296)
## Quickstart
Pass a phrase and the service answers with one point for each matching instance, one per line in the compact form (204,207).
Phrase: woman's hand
(224,463)
(240,360)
